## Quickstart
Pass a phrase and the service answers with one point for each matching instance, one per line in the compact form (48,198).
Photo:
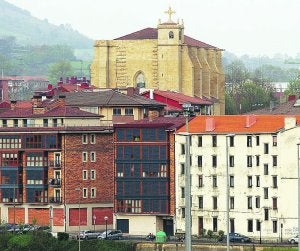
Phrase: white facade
(262,178)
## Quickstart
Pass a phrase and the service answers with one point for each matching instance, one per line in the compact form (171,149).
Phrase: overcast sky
(254,27)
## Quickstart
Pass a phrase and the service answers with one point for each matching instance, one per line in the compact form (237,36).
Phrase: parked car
(236,237)
(294,240)
(88,234)
(111,235)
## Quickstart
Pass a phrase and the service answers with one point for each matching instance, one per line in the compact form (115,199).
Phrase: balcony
(54,164)
(12,201)
(55,200)
(55,182)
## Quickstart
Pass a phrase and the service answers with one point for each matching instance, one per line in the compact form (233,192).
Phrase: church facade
(161,58)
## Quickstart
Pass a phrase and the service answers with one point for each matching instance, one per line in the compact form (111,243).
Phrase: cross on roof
(170,12)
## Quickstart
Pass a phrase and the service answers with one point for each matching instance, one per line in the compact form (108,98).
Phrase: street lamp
(105,218)
(79,195)
(188,109)
(228,136)
(298,161)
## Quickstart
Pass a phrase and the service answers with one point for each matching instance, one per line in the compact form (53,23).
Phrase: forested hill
(29,30)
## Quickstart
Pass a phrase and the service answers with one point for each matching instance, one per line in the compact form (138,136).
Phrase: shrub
(210,233)
(19,242)
(62,236)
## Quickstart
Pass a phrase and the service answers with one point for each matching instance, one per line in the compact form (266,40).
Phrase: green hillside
(29,30)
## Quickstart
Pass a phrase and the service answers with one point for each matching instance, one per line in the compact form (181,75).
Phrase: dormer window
(171,34)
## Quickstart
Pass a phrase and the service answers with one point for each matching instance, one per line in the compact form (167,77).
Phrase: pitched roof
(284,108)
(237,124)
(151,33)
(109,98)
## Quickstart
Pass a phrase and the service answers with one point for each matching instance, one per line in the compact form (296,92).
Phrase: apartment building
(144,175)
(260,153)
(55,166)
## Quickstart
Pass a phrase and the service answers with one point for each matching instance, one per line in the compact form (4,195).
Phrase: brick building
(55,165)
(144,175)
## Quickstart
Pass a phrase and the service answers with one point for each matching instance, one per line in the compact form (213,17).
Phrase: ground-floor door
(168,227)
(123,225)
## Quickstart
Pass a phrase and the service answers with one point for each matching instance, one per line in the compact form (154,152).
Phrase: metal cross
(170,12)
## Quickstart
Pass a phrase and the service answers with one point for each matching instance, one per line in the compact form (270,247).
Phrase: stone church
(161,58)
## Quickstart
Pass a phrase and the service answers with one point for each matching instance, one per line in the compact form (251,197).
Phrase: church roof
(151,33)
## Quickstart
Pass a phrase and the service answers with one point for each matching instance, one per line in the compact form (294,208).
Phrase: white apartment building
(262,155)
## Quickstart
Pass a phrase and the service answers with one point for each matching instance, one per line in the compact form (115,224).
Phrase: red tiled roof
(237,124)
(151,33)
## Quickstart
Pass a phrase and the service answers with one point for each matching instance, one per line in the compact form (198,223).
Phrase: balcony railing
(56,200)
(54,164)
(55,182)
(11,200)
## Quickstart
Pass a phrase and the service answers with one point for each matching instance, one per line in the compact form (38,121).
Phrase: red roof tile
(237,124)
(151,33)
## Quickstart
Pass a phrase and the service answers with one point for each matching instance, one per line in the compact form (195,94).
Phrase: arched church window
(171,34)
(140,80)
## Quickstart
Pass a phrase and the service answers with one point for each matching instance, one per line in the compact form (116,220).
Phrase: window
(231,141)
(257,181)
(266,193)
(84,157)
(214,161)
(249,161)
(171,34)
(215,224)
(45,122)
(84,139)
(257,140)
(84,174)
(231,161)
(93,156)
(182,146)
(182,192)
(54,121)
(266,169)
(249,181)
(249,141)
(182,168)
(275,226)
(200,199)
(24,122)
(200,141)
(199,161)
(258,225)
(266,148)
(163,171)
(84,192)
(266,210)
(274,158)
(274,138)
(215,202)
(4,122)
(250,225)
(93,138)
(16,122)
(231,181)
(128,111)
(214,179)
(214,140)
(274,178)
(257,202)
(183,212)
(257,157)
(249,198)
(116,111)
(231,202)
(274,202)
(232,226)
(93,192)
(93,174)
(200,180)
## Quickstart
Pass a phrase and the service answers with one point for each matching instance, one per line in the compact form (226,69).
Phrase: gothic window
(140,80)
(171,34)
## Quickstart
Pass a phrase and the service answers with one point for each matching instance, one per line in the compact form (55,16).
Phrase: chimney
(250,120)
(13,104)
(153,114)
(62,100)
(151,92)
(36,101)
(210,124)
(289,122)
(130,91)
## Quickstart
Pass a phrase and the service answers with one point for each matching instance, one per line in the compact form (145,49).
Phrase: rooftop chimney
(250,120)
(289,122)
(13,104)
(210,124)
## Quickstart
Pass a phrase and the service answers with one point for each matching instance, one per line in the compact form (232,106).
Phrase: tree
(60,69)
(236,73)
(294,86)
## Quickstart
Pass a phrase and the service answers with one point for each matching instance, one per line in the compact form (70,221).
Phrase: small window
(199,141)
(266,193)
(182,192)
(257,157)
(84,174)
(128,111)
(250,225)
(214,141)
(182,168)
(93,138)
(93,156)
(266,148)
(274,202)
(93,174)
(257,181)
(183,212)
(54,121)
(257,140)
(215,181)
(4,122)
(249,161)
(231,161)
(182,146)
(274,178)
(25,124)
(249,181)
(84,139)
(274,138)
(171,34)
(199,161)
(266,213)
(84,157)
(200,199)
(249,202)
(16,122)
(215,202)
(257,202)
(266,169)
(231,181)
(258,226)
(215,224)
(249,141)
(116,111)
(214,161)
(231,202)
(200,180)
(84,192)
(274,158)
(275,228)
(93,192)
(45,122)
(231,141)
